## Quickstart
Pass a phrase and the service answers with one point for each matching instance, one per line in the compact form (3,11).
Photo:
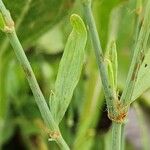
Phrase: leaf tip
(77,23)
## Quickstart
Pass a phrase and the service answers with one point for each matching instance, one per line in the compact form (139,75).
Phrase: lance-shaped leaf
(143,79)
(69,69)
(110,74)
(112,65)
(114,60)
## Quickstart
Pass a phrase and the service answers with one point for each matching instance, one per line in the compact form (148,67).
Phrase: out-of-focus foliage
(36,17)
(43,31)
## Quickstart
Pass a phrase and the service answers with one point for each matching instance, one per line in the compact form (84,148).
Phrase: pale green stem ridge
(110,99)
(99,56)
(123,136)
(116,136)
(40,100)
(31,79)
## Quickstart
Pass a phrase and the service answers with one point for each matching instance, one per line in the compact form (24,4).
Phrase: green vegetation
(68,87)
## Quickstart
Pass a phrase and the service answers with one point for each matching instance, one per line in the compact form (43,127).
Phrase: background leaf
(35,20)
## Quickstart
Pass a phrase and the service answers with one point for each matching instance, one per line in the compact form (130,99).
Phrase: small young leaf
(143,79)
(112,65)
(69,69)
(111,74)
(114,60)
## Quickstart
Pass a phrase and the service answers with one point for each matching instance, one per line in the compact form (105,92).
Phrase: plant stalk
(123,136)
(110,98)
(99,56)
(116,136)
(54,132)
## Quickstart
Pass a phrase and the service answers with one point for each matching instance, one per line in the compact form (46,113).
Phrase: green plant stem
(40,100)
(110,99)
(123,136)
(31,79)
(4,61)
(116,136)
(99,56)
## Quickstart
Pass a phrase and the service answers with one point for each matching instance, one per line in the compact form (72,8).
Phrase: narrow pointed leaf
(112,65)
(143,79)
(69,69)
(111,74)
(114,60)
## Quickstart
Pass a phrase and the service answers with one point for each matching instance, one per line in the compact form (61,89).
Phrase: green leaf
(114,61)
(110,74)
(143,79)
(69,69)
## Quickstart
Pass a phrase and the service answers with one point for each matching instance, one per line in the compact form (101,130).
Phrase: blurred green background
(43,27)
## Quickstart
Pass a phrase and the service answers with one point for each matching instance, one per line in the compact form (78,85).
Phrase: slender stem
(123,136)
(40,100)
(116,136)
(110,99)
(32,80)
(99,56)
